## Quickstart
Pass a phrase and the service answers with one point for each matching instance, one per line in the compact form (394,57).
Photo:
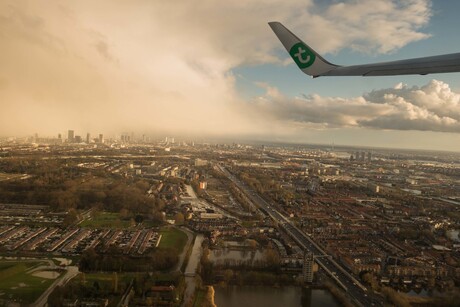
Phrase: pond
(453,235)
(273,297)
(229,256)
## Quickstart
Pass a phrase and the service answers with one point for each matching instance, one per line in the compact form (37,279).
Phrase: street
(344,279)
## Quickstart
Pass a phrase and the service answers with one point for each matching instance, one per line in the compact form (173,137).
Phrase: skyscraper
(70,136)
(307,267)
(101,138)
(88,138)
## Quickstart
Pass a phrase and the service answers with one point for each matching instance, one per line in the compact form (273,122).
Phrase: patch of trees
(396,298)
(111,287)
(92,261)
(65,188)
(83,290)
(265,184)
(414,233)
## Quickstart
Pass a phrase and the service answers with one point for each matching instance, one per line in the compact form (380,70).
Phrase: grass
(17,285)
(106,220)
(248,224)
(106,284)
(199,297)
(172,238)
(151,224)
(106,277)
(6,265)
(106,280)
(166,277)
(7,176)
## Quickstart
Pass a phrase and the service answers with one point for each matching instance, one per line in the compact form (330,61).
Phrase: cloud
(166,65)
(432,107)
(376,26)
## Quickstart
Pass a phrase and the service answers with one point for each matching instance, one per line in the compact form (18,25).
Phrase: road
(72,271)
(343,278)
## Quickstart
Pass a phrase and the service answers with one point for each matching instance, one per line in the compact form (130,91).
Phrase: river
(262,296)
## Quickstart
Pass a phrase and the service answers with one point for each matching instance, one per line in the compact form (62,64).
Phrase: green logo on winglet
(302,55)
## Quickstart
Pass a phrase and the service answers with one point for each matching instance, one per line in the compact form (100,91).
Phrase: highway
(344,279)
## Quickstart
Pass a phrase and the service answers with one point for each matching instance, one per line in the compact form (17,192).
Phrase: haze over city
(178,153)
(217,70)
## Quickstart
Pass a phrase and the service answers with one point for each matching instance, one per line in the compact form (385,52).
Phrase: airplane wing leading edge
(311,63)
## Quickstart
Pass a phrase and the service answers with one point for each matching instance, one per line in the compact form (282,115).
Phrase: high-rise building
(203,185)
(59,136)
(88,138)
(70,136)
(125,138)
(307,267)
(77,139)
(101,138)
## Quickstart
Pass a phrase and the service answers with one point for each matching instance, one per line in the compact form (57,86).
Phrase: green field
(199,298)
(106,220)
(105,278)
(172,238)
(18,285)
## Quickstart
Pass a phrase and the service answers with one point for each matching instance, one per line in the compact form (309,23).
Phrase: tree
(271,258)
(371,280)
(124,214)
(179,218)
(71,217)
(228,275)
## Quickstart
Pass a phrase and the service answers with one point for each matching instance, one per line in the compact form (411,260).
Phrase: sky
(214,68)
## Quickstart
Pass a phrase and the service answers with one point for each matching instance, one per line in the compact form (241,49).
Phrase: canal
(235,296)
(191,268)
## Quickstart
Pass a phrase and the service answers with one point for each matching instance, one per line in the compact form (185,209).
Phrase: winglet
(308,60)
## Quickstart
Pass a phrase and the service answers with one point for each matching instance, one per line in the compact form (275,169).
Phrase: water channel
(291,296)
(453,235)
(192,265)
(260,296)
(235,253)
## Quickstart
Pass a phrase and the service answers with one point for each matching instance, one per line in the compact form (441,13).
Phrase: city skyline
(88,67)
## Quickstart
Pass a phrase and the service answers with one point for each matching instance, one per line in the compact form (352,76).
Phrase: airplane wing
(311,63)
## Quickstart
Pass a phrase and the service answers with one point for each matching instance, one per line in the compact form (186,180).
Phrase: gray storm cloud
(150,65)
(432,107)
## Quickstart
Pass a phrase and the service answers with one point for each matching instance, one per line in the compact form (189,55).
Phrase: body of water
(453,235)
(420,293)
(192,265)
(222,256)
(291,296)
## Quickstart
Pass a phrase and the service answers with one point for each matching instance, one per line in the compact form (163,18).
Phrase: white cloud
(377,26)
(432,107)
(165,64)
